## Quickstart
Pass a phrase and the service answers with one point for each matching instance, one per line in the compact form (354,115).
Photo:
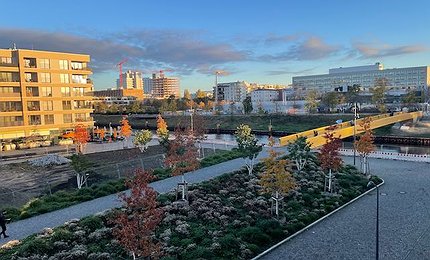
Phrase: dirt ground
(19,182)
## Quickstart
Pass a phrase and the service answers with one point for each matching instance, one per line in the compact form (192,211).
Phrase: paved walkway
(23,228)
(350,233)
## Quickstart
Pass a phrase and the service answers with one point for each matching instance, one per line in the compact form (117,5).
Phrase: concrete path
(350,233)
(23,228)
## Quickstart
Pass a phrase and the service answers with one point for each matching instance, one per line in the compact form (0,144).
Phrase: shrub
(92,223)
(229,242)
(198,253)
(271,227)
(61,234)
(36,246)
(254,235)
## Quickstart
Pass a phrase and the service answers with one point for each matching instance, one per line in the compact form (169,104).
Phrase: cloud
(275,39)
(182,51)
(311,48)
(287,71)
(372,50)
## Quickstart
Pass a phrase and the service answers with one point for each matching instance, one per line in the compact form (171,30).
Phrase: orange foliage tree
(276,178)
(182,156)
(125,128)
(364,145)
(329,156)
(135,225)
(162,131)
(80,137)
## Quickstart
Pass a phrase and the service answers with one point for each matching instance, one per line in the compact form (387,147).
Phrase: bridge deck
(346,129)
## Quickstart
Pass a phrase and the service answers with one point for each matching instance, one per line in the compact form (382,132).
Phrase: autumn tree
(125,129)
(300,152)
(332,99)
(182,157)
(277,178)
(80,137)
(187,94)
(353,94)
(142,138)
(329,155)
(135,225)
(162,131)
(311,101)
(247,143)
(364,145)
(247,105)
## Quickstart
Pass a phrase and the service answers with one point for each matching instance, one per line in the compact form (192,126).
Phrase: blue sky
(256,41)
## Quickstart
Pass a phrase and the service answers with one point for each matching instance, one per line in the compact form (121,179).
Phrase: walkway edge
(315,222)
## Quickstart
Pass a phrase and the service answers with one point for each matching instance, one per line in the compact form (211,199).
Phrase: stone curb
(314,223)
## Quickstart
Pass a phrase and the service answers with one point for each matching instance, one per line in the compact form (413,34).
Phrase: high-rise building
(164,87)
(398,80)
(147,87)
(232,91)
(43,92)
(130,80)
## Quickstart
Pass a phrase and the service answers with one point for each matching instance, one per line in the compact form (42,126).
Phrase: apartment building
(137,94)
(43,92)
(232,91)
(399,80)
(163,87)
(266,95)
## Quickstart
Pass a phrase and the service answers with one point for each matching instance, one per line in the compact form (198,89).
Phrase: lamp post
(355,127)
(216,89)
(372,184)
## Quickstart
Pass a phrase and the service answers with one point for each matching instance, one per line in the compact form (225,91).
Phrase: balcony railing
(35,122)
(33,108)
(11,109)
(8,80)
(15,123)
(79,80)
(6,64)
(83,107)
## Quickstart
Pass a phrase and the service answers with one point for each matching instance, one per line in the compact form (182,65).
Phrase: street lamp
(216,88)
(372,184)
(355,127)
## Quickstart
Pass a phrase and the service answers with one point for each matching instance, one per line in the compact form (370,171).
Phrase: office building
(43,92)
(399,80)
(266,95)
(137,94)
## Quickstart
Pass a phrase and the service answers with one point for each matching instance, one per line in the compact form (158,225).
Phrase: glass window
(67,118)
(33,106)
(78,92)
(67,105)
(65,92)
(32,91)
(49,119)
(64,65)
(44,63)
(76,65)
(80,117)
(46,91)
(45,77)
(10,90)
(64,78)
(10,121)
(6,60)
(47,105)
(34,120)
(10,106)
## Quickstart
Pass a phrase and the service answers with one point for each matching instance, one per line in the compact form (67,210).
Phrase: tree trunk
(277,204)
(329,180)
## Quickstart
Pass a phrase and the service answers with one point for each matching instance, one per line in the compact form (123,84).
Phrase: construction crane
(120,71)
(162,72)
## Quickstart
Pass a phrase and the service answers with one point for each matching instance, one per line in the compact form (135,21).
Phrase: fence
(392,155)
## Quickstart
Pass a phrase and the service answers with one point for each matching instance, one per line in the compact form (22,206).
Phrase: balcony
(7,64)
(79,80)
(33,108)
(30,77)
(8,124)
(30,63)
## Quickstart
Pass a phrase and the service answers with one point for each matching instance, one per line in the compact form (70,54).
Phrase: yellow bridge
(315,137)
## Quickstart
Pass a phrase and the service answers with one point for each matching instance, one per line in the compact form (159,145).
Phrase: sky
(266,42)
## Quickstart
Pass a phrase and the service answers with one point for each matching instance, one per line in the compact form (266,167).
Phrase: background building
(163,87)
(43,92)
(232,91)
(119,93)
(130,80)
(266,95)
(399,80)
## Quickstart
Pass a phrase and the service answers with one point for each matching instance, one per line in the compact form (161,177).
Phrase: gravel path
(23,228)
(350,233)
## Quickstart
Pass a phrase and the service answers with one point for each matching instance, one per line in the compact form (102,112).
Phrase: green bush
(198,253)
(271,227)
(254,235)
(61,234)
(35,246)
(229,242)
(92,223)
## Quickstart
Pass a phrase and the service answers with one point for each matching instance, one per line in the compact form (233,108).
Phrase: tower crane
(120,72)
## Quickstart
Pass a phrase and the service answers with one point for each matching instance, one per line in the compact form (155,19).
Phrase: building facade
(119,93)
(163,87)
(130,80)
(232,91)
(43,92)
(266,95)
(400,80)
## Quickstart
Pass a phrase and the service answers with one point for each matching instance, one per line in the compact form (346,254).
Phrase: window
(80,117)
(32,91)
(47,105)
(64,65)
(44,63)
(33,106)
(65,92)
(9,77)
(79,79)
(67,118)
(49,119)
(6,60)
(34,120)
(76,65)
(10,90)
(10,106)
(67,105)
(78,92)
(64,78)
(45,77)
(10,121)
(46,91)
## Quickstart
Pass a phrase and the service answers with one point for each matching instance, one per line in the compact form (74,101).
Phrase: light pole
(216,89)
(372,184)
(355,127)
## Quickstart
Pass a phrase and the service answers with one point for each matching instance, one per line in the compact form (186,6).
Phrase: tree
(300,152)
(329,155)
(134,107)
(247,143)
(80,137)
(410,98)
(276,178)
(364,145)
(125,129)
(142,138)
(113,109)
(200,94)
(187,95)
(247,105)
(182,156)
(100,107)
(162,131)
(353,94)
(378,94)
(331,100)
(311,101)
(135,225)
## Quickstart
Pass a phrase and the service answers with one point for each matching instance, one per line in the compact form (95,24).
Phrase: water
(397,148)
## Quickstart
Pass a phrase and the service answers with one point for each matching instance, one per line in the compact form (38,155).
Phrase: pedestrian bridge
(315,137)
